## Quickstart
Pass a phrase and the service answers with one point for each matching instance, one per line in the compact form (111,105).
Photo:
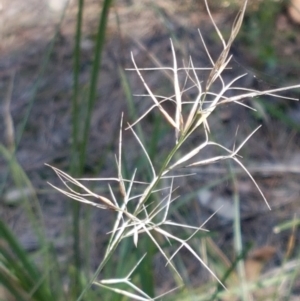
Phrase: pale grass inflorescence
(145,219)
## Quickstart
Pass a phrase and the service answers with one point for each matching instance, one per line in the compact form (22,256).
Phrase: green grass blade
(75,98)
(75,166)
(238,243)
(21,181)
(100,40)
(21,274)
(80,143)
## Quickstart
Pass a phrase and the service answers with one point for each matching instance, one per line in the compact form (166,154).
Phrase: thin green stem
(75,98)
(101,266)
(166,162)
(100,39)
(75,168)
(79,144)
(238,244)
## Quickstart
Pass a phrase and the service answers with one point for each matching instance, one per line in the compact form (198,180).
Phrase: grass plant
(20,278)
(81,126)
(145,213)
(145,200)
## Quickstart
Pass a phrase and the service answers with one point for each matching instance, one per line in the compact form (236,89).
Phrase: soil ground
(272,155)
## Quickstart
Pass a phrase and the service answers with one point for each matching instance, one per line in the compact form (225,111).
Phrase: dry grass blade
(191,154)
(8,120)
(266,92)
(166,115)
(119,163)
(222,61)
(178,116)
(126,280)
(190,249)
(145,152)
(196,104)
(204,114)
(253,180)
(81,197)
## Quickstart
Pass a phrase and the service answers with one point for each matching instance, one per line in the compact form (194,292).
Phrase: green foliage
(81,126)
(258,34)
(19,275)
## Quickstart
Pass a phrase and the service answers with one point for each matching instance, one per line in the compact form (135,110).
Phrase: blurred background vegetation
(63,88)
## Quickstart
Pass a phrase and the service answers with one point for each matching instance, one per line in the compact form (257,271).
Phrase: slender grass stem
(100,40)
(75,167)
